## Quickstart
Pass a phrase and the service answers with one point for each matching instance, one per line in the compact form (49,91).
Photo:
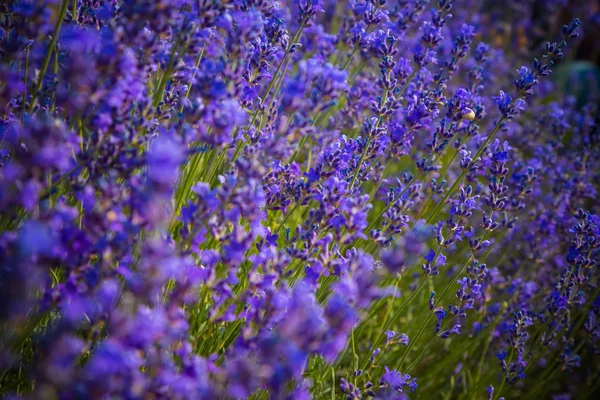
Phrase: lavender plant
(260,199)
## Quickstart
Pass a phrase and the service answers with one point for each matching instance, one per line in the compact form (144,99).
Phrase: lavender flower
(232,199)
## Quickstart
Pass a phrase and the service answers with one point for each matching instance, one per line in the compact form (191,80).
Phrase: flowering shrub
(293,199)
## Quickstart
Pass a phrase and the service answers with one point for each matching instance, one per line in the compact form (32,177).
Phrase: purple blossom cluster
(252,199)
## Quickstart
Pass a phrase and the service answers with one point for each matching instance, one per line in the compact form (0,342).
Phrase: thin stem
(389,321)
(440,298)
(463,174)
(25,78)
(538,340)
(158,95)
(418,358)
(366,149)
(332,383)
(295,38)
(510,357)
(287,216)
(189,89)
(391,203)
(303,140)
(360,162)
(218,162)
(46,63)
(281,62)
(350,57)
(356,47)
(488,343)
(284,69)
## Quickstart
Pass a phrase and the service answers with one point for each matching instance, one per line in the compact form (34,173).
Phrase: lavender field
(300,199)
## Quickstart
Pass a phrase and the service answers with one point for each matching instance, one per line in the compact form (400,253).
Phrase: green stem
(538,340)
(281,62)
(284,69)
(189,89)
(158,95)
(389,321)
(440,298)
(287,216)
(214,172)
(303,141)
(332,383)
(356,47)
(391,203)
(418,358)
(362,159)
(46,63)
(400,93)
(364,153)
(510,357)
(26,79)
(350,57)
(295,38)
(463,174)
(487,346)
